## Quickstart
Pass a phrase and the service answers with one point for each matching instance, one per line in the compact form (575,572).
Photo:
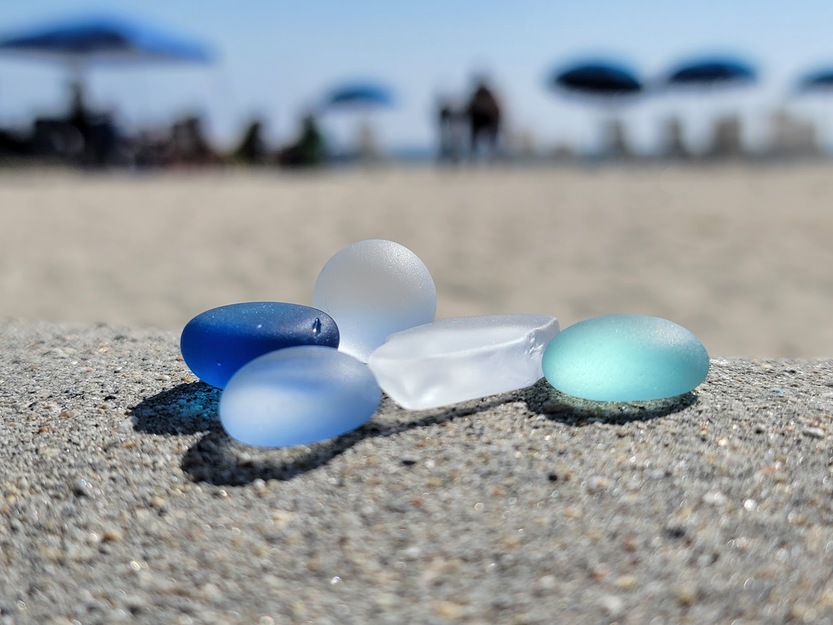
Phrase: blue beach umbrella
(710,74)
(360,95)
(817,80)
(812,92)
(599,79)
(81,43)
(603,83)
(718,71)
(100,40)
(85,42)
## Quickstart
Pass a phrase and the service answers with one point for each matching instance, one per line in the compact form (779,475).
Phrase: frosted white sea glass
(371,289)
(454,360)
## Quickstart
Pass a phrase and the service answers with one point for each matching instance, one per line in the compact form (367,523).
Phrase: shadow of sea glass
(218,459)
(184,409)
(557,406)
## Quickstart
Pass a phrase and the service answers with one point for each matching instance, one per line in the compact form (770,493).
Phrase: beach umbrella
(811,94)
(81,43)
(598,79)
(363,95)
(606,84)
(704,75)
(84,42)
(818,80)
(711,72)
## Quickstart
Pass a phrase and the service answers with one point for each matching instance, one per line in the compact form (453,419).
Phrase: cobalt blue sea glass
(217,342)
(298,396)
(625,358)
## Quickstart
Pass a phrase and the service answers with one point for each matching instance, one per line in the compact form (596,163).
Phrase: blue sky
(276,57)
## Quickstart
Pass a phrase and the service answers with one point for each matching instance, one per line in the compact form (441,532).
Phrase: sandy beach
(739,255)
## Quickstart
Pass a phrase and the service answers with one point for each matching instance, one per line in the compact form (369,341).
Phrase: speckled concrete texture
(123,501)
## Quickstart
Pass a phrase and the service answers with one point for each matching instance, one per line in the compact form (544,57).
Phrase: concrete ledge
(124,501)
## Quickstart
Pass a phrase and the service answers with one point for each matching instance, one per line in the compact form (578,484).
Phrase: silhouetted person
(79,116)
(309,150)
(103,149)
(190,147)
(251,150)
(449,121)
(78,140)
(90,138)
(484,116)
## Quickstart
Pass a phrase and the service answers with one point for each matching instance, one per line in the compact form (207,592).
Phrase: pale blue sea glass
(625,358)
(297,396)
(374,288)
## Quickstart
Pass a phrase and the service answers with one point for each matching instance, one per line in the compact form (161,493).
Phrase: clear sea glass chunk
(374,288)
(625,358)
(298,396)
(454,360)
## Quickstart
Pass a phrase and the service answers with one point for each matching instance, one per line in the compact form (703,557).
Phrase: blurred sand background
(740,255)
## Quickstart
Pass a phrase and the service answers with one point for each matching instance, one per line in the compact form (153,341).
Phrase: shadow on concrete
(218,459)
(184,409)
(556,406)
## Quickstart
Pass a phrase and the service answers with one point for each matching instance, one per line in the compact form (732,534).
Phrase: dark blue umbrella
(84,41)
(711,71)
(819,80)
(604,83)
(360,94)
(710,74)
(598,78)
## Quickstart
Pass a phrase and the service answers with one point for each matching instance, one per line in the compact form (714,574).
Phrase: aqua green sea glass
(625,358)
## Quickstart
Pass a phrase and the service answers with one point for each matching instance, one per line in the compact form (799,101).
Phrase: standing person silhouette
(484,116)
(252,149)
(449,120)
(309,150)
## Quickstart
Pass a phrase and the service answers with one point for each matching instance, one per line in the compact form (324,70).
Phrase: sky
(276,58)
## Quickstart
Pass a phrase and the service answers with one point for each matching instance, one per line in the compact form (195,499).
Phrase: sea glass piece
(625,358)
(454,360)
(297,396)
(217,342)
(374,288)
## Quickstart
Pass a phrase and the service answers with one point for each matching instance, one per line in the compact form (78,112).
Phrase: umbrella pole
(78,88)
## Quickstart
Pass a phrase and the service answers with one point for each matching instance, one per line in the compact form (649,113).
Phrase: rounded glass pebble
(454,360)
(217,342)
(625,358)
(372,289)
(298,396)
